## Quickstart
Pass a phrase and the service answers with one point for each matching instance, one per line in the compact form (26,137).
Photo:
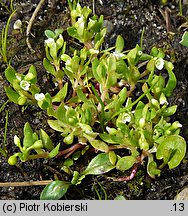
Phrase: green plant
(10,9)
(103,113)
(31,141)
(3,41)
(184,40)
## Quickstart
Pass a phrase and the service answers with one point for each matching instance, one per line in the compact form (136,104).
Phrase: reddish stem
(67,152)
(127,178)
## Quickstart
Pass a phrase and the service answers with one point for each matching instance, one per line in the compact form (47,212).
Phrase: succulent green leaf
(172,150)
(37,145)
(49,34)
(121,67)
(58,32)
(28,136)
(54,151)
(112,157)
(68,162)
(12,95)
(169,110)
(125,163)
(54,190)
(99,165)
(151,65)
(75,177)
(171,84)
(72,31)
(65,57)
(138,112)
(111,62)
(184,40)
(154,52)
(56,125)
(53,51)
(119,44)
(49,67)
(99,145)
(10,74)
(61,94)
(83,97)
(152,167)
(47,142)
(119,197)
(69,138)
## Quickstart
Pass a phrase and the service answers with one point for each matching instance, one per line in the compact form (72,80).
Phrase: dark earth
(164,26)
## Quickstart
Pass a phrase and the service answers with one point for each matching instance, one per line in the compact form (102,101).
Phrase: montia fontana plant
(114,99)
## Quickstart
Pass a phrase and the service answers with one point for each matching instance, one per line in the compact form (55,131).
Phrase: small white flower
(176,125)
(162,99)
(126,118)
(25,85)
(159,63)
(39,97)
(118,55)
(17,25)
(66,107)
(68,62)
(111,131)
(139,52)
(81,22)
(154,102)
(49,42)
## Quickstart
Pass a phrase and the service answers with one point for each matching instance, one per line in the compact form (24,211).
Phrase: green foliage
(31,141)
(102,113)
(184,40)
(4,36)
(54,190)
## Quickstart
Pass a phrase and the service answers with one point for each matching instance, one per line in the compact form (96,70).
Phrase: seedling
(31,141)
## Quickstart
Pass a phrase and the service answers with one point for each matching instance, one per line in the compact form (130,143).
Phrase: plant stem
(25,183)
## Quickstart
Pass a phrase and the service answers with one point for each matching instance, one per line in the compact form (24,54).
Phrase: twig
(31,21)
(25,183)
(168,21)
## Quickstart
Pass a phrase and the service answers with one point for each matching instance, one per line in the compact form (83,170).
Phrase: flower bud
(17,25)
(142,122)
(49,42)
(22,100)
(162,99)
(175,125)
(12,160)
(16,140)
(111,131)
(143,143)
(39,97)
(93,51)
(155,103)
(29,76)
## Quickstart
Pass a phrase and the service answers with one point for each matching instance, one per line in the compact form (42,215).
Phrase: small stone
(183,195)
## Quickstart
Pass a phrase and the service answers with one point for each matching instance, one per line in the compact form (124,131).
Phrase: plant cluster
(118,100)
